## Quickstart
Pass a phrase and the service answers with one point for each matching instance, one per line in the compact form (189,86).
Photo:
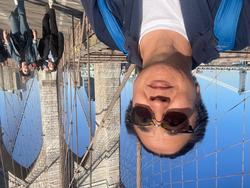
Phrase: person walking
(51,45)
(22,41)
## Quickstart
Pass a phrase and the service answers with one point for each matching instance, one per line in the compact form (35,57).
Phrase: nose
(159,105)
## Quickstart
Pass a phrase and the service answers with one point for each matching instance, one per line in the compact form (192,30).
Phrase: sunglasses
(173,122)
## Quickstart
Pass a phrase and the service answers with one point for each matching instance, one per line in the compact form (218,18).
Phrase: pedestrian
(3,50)
(22,41)
(51,45)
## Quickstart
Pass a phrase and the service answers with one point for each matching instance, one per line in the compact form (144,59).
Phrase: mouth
(160,98)
(159,84)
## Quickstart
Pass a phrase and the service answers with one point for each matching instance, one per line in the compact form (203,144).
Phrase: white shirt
(162,14)
(50,56)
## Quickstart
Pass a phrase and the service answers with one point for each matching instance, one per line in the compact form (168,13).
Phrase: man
(52,43)
(3,50)
(21,43)
(167,39)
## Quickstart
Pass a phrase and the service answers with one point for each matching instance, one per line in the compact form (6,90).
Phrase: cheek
(138,93)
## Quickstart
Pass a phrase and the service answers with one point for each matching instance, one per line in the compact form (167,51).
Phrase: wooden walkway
(35,9)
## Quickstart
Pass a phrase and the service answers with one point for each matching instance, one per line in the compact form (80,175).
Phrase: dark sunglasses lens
(173,119)
(142,116)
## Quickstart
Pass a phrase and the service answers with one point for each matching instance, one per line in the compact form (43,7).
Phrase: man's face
(163,88)
(51,65)
(25,68)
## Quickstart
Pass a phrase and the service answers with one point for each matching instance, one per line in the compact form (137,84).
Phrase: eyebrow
(143,129)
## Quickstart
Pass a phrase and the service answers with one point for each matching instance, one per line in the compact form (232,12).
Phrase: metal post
(138,165)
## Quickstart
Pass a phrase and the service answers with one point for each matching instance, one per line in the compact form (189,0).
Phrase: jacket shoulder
(97,24)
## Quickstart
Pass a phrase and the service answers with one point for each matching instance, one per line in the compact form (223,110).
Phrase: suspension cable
(1,156)
(19,125)
(89,107)
(138,164)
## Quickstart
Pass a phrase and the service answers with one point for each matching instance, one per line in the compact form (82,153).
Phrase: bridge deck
(65,9)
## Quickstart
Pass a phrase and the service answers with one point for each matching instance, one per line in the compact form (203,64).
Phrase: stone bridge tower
(48,168)
(104,170)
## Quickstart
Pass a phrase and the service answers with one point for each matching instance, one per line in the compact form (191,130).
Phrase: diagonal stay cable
(12,162)
(3,128)
(231,108)
(243,100)
(8,101)
(19,125)
(5,171)
(9,104)
(45,169)
(82,105)
(109,109)
(83,108)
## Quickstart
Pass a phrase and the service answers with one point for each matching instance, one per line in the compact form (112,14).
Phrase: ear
(198,92)
(198,89)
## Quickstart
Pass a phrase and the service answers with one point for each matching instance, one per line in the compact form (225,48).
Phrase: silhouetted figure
(22,41)
(51,45)
(3,50)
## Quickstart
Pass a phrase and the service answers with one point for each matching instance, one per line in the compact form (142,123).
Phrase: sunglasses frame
(185,129)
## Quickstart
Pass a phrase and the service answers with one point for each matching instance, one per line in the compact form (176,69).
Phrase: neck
(166,46)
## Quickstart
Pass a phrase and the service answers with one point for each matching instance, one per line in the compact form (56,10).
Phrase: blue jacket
(198,19)
(30,50)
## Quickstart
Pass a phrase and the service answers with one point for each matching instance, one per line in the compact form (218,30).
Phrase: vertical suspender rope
(70,132)
(216,129)
(243,140)
(12,162)
(71,118)
(1,156)
(90,109)
(138,165)
(75,88)
(68,159)
(76,119)
(65,120)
